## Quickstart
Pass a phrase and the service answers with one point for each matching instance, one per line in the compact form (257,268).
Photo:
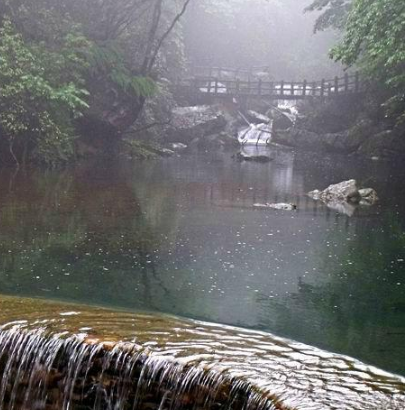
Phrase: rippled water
(181,236)
(279,374)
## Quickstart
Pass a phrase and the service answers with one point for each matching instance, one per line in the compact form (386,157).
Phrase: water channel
(181,236)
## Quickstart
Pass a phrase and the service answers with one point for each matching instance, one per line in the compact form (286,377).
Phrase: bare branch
(165,35)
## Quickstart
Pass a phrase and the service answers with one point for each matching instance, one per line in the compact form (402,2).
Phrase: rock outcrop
(258,118)
(343,125)
(282,119)
(344,142)
(189,123)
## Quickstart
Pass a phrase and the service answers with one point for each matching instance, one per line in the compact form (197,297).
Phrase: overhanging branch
(165,35)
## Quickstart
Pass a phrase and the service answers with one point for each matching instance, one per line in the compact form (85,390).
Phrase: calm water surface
(181,236)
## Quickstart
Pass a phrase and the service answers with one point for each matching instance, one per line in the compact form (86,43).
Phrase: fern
(143,86)
(109,61)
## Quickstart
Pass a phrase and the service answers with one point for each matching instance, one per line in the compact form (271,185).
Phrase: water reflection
(182,236)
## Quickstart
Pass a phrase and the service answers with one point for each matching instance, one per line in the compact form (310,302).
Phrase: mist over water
(183,237)
(277,37)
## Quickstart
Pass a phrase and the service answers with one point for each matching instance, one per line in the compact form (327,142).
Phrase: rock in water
(256,135)
(177,146)
(166,152)
(343,191)
(316,194)
(254,155)
(345,196)
(368,196)
(279,206)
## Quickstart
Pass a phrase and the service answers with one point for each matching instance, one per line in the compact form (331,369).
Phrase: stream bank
(348,124)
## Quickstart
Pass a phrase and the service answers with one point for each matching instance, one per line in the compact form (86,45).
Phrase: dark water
(181,236)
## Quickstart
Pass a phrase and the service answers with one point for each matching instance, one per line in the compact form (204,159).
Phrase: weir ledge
(62,356)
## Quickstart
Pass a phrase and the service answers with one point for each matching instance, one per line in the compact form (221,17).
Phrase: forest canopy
(62,60)
(373,41)
(71,68)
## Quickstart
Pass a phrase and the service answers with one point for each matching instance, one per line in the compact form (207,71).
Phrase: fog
(259,33)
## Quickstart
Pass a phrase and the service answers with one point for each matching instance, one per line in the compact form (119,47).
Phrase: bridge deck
(271,89)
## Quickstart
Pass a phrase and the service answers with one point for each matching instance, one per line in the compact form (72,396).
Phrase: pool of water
(181,236)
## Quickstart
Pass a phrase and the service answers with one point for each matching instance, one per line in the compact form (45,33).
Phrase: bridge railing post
(271,88)
(195,86)
(314,89)
(292,87)
(304,88)
(209,84)
(216,86)
(323,87)
(282,88)
(336,85)
(346,82)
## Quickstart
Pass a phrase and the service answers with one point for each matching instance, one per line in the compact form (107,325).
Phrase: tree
(41,93)
(93,60)
(373,33)
(333,13)
(374,40)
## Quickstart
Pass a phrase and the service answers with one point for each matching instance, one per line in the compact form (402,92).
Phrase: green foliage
(54,53)
(142,150)
(374,39)
(108,61)
(41,93)
(333,13)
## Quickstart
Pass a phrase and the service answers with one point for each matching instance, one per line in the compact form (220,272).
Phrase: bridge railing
(277,90)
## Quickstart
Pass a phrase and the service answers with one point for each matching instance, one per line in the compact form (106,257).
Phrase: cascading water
(257,135)
(42,371)
(67,357)
(261,134)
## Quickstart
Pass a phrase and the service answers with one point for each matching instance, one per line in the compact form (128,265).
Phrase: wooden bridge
(225,82)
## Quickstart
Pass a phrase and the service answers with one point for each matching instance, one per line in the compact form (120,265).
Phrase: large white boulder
(345,196)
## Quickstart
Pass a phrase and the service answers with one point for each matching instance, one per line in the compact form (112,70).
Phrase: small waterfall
(261,134)
(56,356)
(43,371)
(257,135)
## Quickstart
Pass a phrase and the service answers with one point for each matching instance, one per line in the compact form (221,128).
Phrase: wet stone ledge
(41,371)
(73,357)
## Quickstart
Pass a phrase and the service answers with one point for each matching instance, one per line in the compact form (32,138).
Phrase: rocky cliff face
(346,125)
